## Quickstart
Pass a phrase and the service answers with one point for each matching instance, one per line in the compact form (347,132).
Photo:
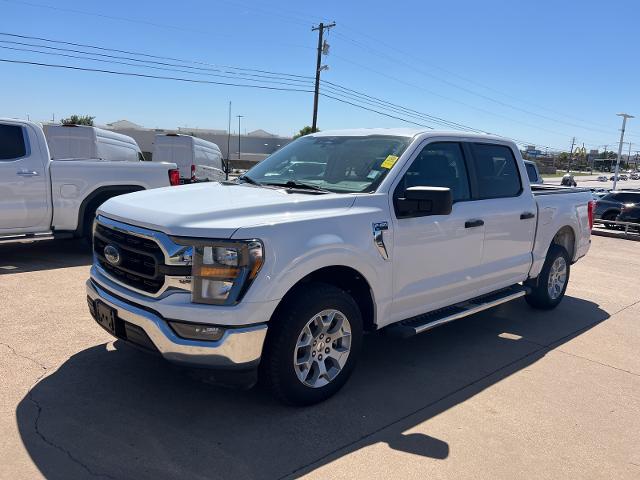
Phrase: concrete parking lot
(508,393)
(591,181)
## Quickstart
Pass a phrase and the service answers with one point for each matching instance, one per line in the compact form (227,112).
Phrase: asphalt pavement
(509,393)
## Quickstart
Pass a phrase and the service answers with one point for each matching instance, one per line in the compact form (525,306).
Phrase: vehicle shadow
(115,412)
(43,255)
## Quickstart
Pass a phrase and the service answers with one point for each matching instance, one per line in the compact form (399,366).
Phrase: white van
(197,159)
(81,141)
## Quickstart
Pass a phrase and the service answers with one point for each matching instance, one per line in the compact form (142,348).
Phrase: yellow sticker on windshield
(389,161)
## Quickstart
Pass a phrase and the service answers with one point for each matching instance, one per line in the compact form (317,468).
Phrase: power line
(336,92)
(270,77)
(419,87)
(128,52)
(353,102)
(143,75)
(376,111)
(408,111)
(84,56)
(271,80)
(127,19)
(474,82)
(378,53)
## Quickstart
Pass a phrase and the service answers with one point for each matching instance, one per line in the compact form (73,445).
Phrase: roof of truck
(406,132)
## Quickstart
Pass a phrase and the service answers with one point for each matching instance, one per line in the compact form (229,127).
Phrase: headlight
(222,271)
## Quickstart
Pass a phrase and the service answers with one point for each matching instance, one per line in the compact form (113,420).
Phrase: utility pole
(320,29)
(226,174)
(239,117)
(629,155)
(624,124)
(573,143)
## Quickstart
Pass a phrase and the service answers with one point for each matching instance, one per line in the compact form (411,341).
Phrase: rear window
(496,171)
(12,142)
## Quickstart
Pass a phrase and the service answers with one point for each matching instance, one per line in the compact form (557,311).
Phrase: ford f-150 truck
(41,198)
(277,276)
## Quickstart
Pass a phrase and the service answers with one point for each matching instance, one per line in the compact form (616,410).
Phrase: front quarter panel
(295,249)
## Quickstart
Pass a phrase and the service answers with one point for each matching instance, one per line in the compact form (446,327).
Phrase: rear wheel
(313,345)
(552,282)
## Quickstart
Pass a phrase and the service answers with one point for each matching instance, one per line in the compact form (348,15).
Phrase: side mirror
(424,201)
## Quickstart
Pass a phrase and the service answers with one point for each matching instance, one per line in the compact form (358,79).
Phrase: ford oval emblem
(112,254)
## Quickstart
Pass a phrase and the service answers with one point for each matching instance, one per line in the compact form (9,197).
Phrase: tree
(78,120)
(304,131)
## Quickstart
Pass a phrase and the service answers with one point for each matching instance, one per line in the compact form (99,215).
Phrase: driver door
(24,200)
(436,258)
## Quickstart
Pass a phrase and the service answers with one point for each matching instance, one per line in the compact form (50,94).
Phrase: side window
(628,197)
(438,165)
(12,143)
(496,171)
(531,172)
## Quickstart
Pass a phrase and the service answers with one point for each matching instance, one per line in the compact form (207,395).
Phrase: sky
(541,72)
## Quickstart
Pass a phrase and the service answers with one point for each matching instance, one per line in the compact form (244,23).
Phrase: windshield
(338,164)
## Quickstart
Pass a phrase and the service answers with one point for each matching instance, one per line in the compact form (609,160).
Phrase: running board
(30,237)
(427,321)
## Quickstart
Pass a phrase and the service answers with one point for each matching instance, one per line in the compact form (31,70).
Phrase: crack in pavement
(36,423)
(15,352)
(597,362)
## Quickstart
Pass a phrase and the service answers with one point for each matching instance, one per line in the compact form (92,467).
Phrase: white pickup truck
(279,274)
(41,198)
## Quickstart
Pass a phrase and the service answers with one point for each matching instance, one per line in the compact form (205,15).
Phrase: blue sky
(540,71)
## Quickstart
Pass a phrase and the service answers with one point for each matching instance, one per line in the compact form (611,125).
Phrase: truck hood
(215,210)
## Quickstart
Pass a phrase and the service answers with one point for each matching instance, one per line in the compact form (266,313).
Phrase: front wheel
(313,345)
(552,282)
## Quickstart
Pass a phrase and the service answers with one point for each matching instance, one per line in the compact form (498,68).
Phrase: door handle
(27,173)
(473,223)
(527,215)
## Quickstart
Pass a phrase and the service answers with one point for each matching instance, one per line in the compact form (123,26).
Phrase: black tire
(277,370)
(540,297)
(87,227)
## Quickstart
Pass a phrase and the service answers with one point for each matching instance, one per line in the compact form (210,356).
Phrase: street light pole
(228,144)
(624,124)
(239,117)
(573,143)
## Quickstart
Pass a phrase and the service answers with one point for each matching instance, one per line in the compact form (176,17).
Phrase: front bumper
(239,348)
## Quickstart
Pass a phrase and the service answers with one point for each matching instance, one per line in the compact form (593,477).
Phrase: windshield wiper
(246,178)
(298,185)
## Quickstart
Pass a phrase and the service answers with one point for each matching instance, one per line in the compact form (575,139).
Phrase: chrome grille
(141,260)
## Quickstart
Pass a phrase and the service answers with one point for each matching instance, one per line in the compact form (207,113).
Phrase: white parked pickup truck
(41,198)
(279,274)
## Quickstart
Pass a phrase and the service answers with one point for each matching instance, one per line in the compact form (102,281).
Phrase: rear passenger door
(509,211)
